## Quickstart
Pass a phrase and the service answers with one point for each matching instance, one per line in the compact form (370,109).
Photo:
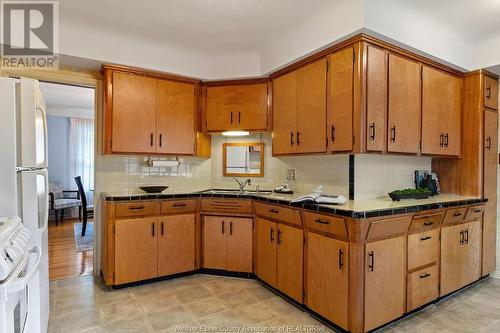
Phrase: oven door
(14,295)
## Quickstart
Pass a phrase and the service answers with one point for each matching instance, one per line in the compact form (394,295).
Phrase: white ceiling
(68,101)
(213,39)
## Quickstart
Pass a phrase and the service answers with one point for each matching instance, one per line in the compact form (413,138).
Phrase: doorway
(70,129)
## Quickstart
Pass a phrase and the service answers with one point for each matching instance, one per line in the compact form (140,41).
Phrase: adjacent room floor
(64,259)
(189,304)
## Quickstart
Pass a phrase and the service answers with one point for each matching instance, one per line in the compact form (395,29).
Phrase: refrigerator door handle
(28,169)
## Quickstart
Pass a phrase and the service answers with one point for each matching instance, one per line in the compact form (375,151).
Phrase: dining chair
(88,210)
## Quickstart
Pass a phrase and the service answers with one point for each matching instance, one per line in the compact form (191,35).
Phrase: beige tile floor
(206,303)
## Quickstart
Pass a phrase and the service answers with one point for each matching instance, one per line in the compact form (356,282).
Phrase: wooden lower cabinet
(267,255)
(227,243)
(176,244)
(290,261)
(328,278)
(280,257)
(385,275)
(136,250)
(460,256)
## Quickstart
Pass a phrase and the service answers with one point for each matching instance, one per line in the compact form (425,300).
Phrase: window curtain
(81,154)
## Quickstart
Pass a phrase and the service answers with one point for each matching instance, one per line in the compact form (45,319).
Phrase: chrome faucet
(243,184)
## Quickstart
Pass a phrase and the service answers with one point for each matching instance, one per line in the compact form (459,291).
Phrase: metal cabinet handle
(457,214)
(279,236)
(161,139)
(291,138)
(298,138)
(341,259)
(151,140)
(441,140)
(477,210)
(162,228)
(461,237)
(466,236)
(320,221)
(222,227)
(271,235)
(136,207)
(425,275)
(231,116)
(333,133)
(488,96)
(371,256)
(488,144)
(230,228)
(275,211)
(153,229)
(446,140)
(393,134)
(425,238)
(428,223)
(239,117)
(179,205)
(372,131)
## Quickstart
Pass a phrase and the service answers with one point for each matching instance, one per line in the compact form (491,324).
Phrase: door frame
(89,79)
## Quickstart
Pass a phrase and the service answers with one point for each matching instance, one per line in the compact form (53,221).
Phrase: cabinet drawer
(139,208)
(388,227)
(422,287)
(455,215)
(331,224)
(423,248)
(280,213)
(425,222)
(474,213)
(227,205)
(178,206)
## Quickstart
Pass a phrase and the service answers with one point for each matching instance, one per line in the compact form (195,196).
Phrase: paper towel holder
(162,163)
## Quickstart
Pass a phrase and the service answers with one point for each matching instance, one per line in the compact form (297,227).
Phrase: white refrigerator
(24,178)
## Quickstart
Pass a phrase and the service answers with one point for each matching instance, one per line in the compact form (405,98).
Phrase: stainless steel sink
(236,191)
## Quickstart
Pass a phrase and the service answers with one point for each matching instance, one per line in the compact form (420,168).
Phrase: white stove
(19,270)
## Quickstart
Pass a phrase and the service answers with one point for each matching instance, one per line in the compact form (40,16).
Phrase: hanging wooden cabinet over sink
(151,113)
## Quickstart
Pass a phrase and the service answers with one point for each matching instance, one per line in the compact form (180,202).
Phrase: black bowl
(153,189)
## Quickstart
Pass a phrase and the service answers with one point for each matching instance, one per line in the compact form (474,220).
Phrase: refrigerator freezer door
(8,188)
(32,124)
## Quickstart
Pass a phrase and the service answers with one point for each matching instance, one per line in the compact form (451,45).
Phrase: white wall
(58,137)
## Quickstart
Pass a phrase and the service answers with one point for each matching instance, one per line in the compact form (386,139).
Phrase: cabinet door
(490,93)
(376,98)
(311,108)
(221,108)
(451,258)
(490,191)
(284,114)
(441,113)
(134,114)
(327,278)
(290,259)
(215,242)
(266,251)
(340,100)
(176,244)
(471,258)
(404,105)
(135,250)
(175,117)
(384,281)
(239,245)
(251,107)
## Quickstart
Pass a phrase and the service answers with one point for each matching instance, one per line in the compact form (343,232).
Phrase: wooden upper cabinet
(376,98)
(284,114)
(134,114)
(310,136)
(176,244)
(490,92)
(340,100)
(404,111)
(233,107)
(328,278)
(441,113)
(175,117)
(136,250)
(385,278)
